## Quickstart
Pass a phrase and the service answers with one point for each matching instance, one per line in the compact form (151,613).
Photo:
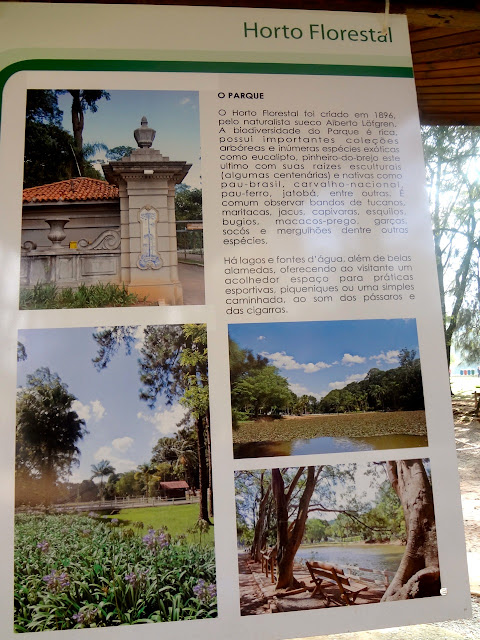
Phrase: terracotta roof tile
(74,190)
(174,484)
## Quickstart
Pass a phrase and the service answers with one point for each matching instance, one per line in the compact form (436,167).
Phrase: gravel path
(467,435)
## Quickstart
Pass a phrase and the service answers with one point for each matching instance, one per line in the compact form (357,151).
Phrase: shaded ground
(258,595)
(252,600)
(467,434)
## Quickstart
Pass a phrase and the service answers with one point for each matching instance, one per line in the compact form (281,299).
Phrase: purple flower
(92,514)
(44,546)
(85,616)
(212,590)
(136,579)
(205,592)
(155,540)
(57,581)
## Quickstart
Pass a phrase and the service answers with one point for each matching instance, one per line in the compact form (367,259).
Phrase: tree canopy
(395,389)
(453,181)
(47,434)
(188,203)
(173,365)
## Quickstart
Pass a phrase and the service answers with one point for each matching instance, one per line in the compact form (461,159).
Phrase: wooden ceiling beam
(435,17)
(466,52)
(445,82)
(444,121)
(467,90)
(466,72)
(454,40)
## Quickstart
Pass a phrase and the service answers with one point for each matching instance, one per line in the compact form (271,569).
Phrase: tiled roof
(174,484)
(74,190)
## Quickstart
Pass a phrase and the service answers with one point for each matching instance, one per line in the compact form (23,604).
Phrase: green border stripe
(201,67)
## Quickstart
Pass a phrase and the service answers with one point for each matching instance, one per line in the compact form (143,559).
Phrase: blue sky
(317,357)
(121,428)
(173,114)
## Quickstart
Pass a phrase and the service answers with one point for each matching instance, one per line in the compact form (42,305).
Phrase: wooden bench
(476,395)
(269,557)
(322,572)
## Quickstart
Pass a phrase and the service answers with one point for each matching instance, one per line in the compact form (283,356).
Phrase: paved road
(193,283)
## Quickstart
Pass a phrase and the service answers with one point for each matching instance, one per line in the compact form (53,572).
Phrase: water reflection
(378,557)
(326,444)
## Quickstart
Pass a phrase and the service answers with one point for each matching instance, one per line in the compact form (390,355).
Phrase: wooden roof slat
(450,109)
(417,35)
(454,40)
(434,36)
(443,17)
(467,90)
(466,52)
(447,73)
(455,98)
(446,65)
(469,120)
(442,82)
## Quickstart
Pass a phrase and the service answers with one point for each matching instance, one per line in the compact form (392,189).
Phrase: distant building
(173,489)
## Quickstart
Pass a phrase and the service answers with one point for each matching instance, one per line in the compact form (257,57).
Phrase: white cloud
(391,357)
(300,390)
(75,476)
(139,336)
(94,410)
(165,420)
(348,359)
(102,453)
(261,338)
(283,361)
(343,383)
(185,100)
(98,410)
(122,444)
(119,464)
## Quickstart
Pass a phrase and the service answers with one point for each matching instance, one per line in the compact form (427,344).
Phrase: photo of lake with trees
(335,535)
(325,387)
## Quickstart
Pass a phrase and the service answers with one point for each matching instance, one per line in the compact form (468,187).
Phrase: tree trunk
(290,536)
(77,119)
(209,463)
(202,471)
(261,527)
(418,575)
(48,479)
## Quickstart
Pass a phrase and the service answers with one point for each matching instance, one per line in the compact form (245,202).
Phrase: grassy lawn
(350,425)
(177,518)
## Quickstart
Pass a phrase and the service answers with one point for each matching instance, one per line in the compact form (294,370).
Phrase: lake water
(326,444)
(379,557)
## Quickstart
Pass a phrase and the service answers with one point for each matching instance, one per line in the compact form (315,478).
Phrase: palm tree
(144,475)
(101,470)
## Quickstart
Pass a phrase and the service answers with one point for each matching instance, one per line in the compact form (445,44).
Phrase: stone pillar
(146,181)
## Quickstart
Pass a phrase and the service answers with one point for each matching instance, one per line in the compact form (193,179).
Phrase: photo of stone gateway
(120,231)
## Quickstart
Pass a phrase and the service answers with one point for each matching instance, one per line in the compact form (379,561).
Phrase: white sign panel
(304,464)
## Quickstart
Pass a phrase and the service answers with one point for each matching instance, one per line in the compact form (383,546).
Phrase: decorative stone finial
(144,135)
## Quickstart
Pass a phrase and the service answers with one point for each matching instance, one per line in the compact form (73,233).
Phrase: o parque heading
(315,32)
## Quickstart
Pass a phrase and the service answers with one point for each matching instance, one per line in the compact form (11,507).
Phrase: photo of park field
(325,387)
(335,535)
(113,494)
